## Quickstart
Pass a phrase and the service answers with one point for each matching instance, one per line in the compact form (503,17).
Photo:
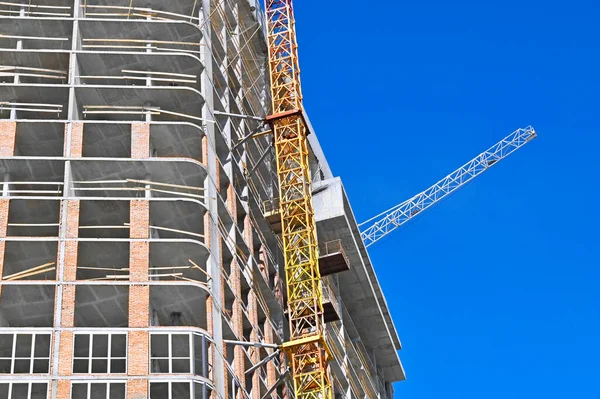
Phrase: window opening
(171,353)
(98,390)
(100,354)
(23,390)
(178,390)
(25,353)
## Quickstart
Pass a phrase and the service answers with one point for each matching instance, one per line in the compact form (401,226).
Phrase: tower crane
(381,225)
(306,348)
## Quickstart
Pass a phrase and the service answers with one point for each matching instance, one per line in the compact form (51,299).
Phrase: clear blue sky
(495,291)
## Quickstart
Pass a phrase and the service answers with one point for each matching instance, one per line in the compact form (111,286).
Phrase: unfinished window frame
(29,383)
(90,357)
(194,385)
(108,384)
(170,358)
(32,357)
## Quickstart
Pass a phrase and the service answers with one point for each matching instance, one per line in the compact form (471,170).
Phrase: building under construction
(141,253)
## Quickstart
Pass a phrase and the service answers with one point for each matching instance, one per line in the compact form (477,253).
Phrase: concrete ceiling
(184,7)
(39,27)
(46,59)
(105,63)
(36,93)
(163,170)
(184,100)
(33,169)
(176,31)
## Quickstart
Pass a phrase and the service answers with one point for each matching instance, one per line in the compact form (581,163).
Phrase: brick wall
(72,222)
(263,262)
(75,148)
(137,389)
(236,285)
(271,372)
(71,247)
(282,367)
(254,353)
(252,310)
(137,358)
(67,310)
(65,364)
(70,261)
(65,350)
(139,261)
(204,150)
(138,352)
(248,236)
(139,219)
(139,305)
(4,206)
(64,390)
(139,251)
(8,134)
(140,140)
(68,306)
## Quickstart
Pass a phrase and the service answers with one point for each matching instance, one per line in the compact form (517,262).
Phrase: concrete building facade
(139,248)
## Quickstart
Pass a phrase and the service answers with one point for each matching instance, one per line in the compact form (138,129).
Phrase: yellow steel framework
(307,349)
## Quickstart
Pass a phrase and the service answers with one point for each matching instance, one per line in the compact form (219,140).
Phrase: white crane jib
(383,224)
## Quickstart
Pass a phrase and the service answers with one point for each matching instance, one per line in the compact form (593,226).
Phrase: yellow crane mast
(306,349)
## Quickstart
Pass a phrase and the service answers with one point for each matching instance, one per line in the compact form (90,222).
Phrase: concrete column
(6,185)
(214,303)
(17,79)
(61,362)
(238,315)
